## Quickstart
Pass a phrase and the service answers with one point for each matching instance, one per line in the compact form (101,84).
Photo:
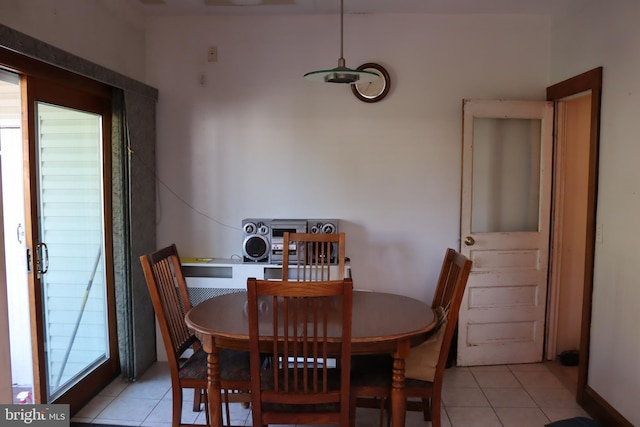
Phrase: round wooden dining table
(382,323)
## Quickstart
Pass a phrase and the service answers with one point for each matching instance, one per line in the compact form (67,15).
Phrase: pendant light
(341,74)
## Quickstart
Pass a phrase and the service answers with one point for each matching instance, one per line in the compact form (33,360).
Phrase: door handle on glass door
(20,233)
(28,260)
(40,248)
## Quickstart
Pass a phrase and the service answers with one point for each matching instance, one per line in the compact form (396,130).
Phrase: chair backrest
(316,257)
(299,326)
(448,298)
(168,290)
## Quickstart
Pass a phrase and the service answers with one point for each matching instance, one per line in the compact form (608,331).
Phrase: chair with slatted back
(425,366)
(315,256)
(310,256)
(292,321)
(170,298)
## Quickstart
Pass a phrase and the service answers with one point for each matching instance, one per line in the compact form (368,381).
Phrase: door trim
(588,81)
(6,392)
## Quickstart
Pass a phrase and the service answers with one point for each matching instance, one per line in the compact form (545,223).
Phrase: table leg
(398,399)
(398,395)
(213,388)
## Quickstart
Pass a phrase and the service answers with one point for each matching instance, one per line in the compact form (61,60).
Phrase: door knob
(469,241)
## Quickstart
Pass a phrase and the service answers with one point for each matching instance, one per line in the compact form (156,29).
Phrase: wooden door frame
(6,390)
(59,80)
(589,81)
(585,395)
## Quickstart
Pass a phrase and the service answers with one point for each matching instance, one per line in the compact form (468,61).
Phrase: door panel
(13,221)
(69,233)
(506,155)
(69,148)
(505,230)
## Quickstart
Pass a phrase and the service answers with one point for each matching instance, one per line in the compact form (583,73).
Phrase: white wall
(260,141)
(106,32)
(393,167)
(606,34)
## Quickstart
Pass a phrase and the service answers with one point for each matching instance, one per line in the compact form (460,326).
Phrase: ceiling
(305,7)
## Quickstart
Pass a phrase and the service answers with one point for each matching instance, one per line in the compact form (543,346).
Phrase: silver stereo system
(278,228)
(263,238)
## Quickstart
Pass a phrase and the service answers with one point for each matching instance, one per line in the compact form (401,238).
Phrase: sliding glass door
(69,239)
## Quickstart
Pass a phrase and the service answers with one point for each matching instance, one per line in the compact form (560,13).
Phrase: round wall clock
(376,90)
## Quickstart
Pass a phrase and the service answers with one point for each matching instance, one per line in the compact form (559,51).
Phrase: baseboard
(601,410)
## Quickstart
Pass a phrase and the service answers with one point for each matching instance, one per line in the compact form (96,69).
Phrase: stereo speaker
(325,226)
(256,242)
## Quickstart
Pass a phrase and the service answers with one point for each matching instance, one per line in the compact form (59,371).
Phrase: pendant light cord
(341,74)
(341,61)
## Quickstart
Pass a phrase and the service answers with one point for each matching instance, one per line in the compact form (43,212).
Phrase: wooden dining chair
(425,366)
(313,257)
(170,298)
(292,321)
(316,256)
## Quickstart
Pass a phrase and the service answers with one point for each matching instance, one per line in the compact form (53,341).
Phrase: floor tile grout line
(486,397)
(527,391)
(446,410)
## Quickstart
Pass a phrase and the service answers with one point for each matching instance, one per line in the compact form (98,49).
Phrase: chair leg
(352,410)
(206,407)
(197,399)
(426,409)
(176,401)
(436,411)
(225,402)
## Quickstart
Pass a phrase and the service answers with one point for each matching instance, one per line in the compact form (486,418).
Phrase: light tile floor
(488,396)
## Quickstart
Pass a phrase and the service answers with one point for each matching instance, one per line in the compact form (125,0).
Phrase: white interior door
(505,219)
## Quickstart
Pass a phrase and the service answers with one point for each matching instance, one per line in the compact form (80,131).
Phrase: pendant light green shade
(341,75)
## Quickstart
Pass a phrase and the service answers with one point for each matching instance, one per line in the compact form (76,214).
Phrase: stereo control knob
(262,228)
(249,228)
(315,229)
(328,228)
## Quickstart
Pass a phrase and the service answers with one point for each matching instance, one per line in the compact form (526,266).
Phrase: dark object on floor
(574,422)
(570,358)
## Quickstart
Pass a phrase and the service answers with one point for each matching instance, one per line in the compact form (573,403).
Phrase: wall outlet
(212,54)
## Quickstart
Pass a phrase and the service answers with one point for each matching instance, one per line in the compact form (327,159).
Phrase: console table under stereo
(210,277)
